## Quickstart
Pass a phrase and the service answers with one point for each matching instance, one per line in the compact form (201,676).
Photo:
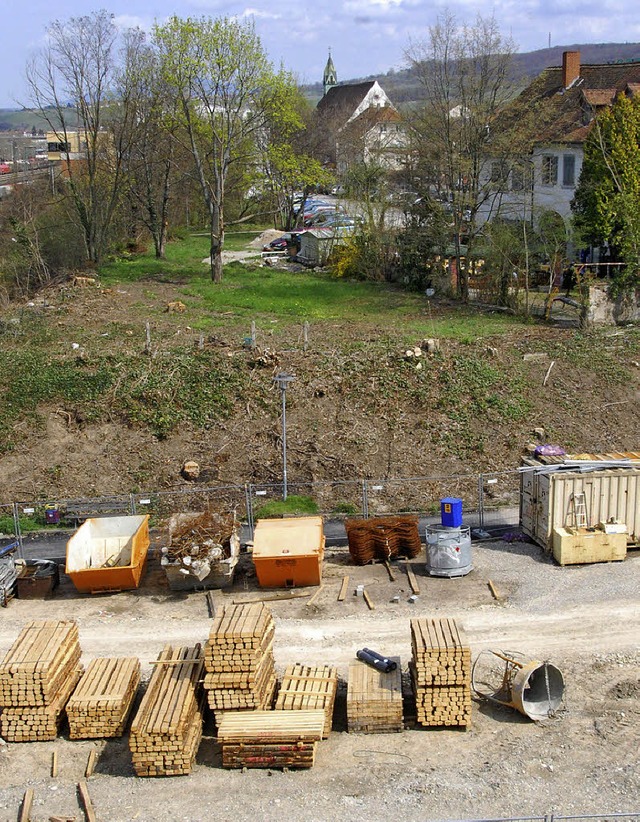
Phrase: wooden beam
(494,591)
(367,599)
(413,582)
(271,598)
(25,808)
(54,764)
(89,811)
(343,588)
(211,605)
(91,762)
(392,576)
(315,596)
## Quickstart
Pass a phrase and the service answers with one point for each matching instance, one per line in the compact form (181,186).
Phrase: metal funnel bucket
(534,688)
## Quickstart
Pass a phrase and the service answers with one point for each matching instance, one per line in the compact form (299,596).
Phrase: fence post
(481,501)
(365,500)
(132,504)
(248,495)
(17,529)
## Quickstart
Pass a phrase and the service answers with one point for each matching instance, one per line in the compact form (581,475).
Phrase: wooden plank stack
(238,659)
(305,688)
(270,739)
(37,677)
(100,705)
(374,699)
(441,673)
(167,729)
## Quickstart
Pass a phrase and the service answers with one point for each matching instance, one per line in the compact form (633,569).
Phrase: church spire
(330,78)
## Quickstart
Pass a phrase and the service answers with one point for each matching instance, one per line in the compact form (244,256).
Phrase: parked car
(279,244)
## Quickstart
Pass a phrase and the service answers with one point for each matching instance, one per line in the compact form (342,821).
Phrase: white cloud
(259,14)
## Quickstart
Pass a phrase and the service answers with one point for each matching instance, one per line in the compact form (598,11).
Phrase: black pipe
(376,660)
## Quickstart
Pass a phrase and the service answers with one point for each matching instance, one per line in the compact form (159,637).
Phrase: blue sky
(366,36)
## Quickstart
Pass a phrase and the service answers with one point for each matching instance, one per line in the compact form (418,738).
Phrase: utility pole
(282,380)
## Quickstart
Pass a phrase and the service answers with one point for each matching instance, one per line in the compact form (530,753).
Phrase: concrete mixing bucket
(537,690)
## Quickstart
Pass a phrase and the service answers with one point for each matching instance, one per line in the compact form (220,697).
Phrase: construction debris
(8,573)
(100,705)
(374,699)
(270,739)
(166,731)
(441,673)
(383,538)
(37,677)
(238,659)
(203,550)
(305,688)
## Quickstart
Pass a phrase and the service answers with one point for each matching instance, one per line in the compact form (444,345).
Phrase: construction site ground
(584,760)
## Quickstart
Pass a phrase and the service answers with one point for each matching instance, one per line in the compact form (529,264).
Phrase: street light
(282,380)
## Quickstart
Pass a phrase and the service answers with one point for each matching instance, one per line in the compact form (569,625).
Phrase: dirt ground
(584,619)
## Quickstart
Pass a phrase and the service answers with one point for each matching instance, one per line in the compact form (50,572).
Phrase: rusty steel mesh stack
(383,538)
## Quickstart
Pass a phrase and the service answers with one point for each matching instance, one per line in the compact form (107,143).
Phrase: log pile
(441,673)
(374,699)
(100,705)
(167,729)
(238,659)
(37,677)
(383,538)
(305,688)
(270,739)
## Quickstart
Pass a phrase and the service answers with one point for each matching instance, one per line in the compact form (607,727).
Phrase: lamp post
(282,380)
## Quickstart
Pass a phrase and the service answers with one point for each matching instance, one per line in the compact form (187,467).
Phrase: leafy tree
(607,200)
(222,89)
(464,71)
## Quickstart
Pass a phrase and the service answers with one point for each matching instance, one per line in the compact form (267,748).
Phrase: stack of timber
(374,699)
(305,688)
(383,538)
(37,677)
(166,731)
(270,739)
(441,673)
(100,705)
(238,658)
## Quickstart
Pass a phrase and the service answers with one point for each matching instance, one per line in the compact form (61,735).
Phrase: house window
(568,170)
(498,174)
(549,170)
(521,177)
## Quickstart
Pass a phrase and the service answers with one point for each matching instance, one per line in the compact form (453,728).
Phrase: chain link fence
(489,501)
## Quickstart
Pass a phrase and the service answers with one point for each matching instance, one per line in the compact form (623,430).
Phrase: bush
(292,506)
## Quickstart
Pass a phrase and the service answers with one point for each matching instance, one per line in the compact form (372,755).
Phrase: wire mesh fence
(489,501)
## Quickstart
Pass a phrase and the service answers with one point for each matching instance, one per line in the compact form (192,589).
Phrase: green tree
(223,89)
(607,200)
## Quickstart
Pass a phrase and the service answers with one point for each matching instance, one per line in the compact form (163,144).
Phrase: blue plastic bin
(451,512)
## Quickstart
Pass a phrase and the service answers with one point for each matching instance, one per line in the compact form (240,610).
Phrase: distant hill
(403,86)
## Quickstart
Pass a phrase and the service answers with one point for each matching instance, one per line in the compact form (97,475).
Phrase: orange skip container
(288,553)
(108,553)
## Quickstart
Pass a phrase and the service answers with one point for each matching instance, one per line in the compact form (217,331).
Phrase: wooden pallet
(270,739)
(441,673)
(238,658)
(306,688)
(374,699)
(100,705)
(166,731)
(40,723)
(39,663)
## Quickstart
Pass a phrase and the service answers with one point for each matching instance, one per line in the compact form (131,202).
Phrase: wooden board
(100,705)
(374,699)
(307,688)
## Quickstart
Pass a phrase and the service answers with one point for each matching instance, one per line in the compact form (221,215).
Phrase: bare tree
(465,74)
(71,82)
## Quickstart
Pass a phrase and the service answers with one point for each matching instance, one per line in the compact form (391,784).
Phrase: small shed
(108,553)
(317,244)
(288,553)
(583,490)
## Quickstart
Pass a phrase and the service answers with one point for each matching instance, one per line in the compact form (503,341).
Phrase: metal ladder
(579,509)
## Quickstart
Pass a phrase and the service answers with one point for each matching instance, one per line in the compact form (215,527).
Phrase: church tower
(330,78)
